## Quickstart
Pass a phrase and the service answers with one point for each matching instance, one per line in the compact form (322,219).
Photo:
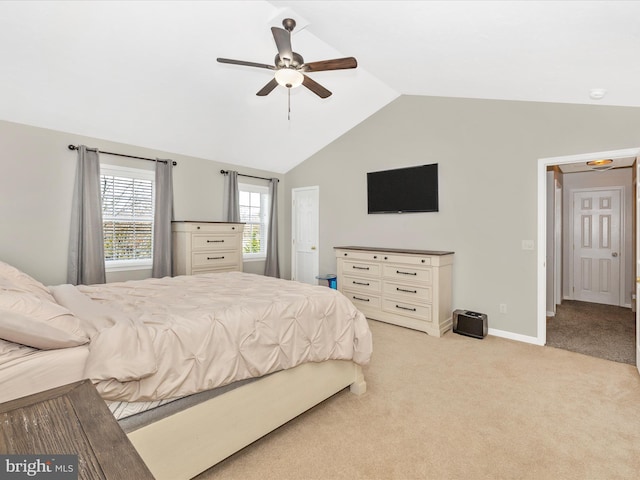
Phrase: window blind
(253,206)
(127,213)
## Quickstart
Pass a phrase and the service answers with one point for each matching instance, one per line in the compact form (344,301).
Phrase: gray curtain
(232,197)
(86,242)
(162,217)
(271,267)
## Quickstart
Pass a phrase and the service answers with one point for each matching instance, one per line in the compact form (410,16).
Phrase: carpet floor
(460,408)
(603,331)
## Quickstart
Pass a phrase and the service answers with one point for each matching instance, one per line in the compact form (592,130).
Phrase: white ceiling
(144,72)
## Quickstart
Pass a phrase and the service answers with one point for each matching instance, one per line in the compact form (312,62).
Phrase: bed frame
(189,442)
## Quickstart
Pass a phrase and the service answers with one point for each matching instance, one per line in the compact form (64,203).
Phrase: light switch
(527,244)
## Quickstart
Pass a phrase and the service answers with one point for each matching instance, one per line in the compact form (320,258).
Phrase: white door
(596,245)
(305,220)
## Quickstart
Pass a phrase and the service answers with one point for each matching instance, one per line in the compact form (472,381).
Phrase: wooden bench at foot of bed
(191,441)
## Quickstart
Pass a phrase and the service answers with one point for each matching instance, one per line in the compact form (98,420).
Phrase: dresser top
(396,250)
(200,221)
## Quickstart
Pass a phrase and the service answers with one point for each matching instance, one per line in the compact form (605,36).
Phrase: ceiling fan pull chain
(289,104)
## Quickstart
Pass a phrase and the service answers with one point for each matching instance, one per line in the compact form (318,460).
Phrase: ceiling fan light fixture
(289,77)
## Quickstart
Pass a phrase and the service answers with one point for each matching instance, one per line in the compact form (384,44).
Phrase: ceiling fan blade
(335,64)
(266,90)
(246,64)
(283,42)
(315,87)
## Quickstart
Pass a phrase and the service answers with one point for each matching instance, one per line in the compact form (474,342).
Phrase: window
(127,217)
(254,212)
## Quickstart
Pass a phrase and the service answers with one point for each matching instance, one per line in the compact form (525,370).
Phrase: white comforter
(165,338)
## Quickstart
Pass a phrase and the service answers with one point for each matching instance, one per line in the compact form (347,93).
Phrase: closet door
(305,220)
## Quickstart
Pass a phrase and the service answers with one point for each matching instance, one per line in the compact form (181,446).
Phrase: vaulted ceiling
(145,72)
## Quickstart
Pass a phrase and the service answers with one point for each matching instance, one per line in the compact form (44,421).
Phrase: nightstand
(71,420)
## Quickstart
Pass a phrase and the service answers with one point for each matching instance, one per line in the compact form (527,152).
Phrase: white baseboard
(551,314)
(515,336)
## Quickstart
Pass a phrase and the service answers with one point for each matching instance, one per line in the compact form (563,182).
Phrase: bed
(213,361)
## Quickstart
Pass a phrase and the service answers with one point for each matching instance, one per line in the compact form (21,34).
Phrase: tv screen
(403,190)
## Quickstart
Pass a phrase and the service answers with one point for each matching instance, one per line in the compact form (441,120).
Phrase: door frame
(543,163)
(557,243)
(636,253)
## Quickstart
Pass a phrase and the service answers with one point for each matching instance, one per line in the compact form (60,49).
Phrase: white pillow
(31,320)
(22,281)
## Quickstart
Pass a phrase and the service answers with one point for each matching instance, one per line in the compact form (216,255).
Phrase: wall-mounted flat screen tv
(403,190)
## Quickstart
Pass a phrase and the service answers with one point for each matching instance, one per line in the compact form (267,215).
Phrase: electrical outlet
(503,308)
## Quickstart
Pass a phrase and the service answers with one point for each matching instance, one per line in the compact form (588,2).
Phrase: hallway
(594,329)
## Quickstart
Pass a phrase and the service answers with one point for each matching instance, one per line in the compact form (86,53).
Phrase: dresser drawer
(408,273)
(361,268)
(214,242)
(361,284)
(363,300)
(204,260)
(359,256)
(420,312)
(411,293)
(407,259)
(194,227)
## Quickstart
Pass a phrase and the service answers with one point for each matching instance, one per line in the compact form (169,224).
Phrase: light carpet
(461,408)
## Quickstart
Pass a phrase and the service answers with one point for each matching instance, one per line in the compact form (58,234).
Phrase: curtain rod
(74,147)
(226,172)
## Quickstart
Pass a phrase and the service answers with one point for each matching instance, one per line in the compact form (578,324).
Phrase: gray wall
(488,154)
(36,186)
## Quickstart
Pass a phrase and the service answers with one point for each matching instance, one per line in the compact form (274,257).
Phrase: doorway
(550,272)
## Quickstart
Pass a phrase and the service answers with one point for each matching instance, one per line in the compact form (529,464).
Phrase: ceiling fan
(289,66)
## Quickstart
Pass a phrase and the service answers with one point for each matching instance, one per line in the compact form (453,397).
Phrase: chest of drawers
(410,288)
(206,247)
